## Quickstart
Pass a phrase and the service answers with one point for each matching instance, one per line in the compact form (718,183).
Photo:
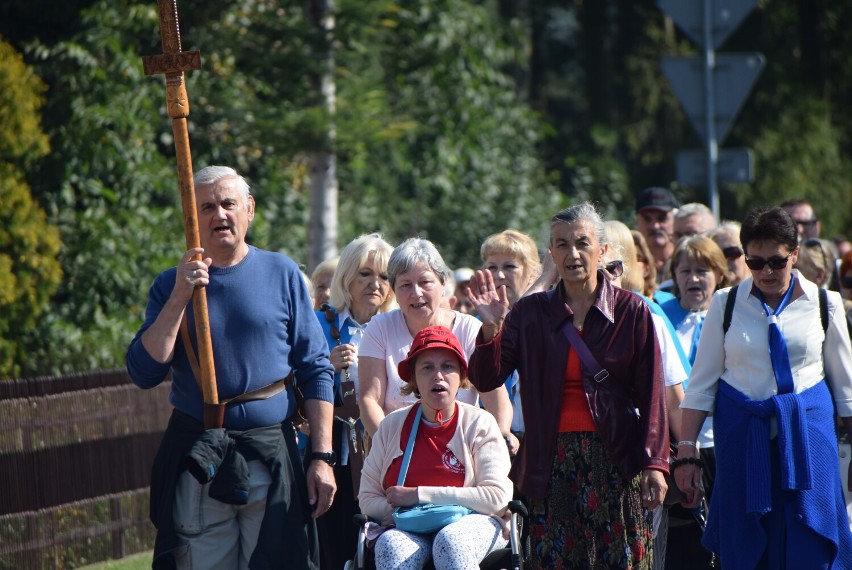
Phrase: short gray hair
(413,251)
(212,174)
(583,212)
(692,209)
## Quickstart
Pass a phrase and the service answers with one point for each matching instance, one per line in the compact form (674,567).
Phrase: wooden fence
(75,462)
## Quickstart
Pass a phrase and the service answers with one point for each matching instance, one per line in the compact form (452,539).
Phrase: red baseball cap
(432,337)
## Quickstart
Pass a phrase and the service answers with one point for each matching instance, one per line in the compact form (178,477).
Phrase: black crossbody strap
(823,308)
(729,308)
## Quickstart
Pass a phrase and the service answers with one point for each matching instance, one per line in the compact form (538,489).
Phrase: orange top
(575,414)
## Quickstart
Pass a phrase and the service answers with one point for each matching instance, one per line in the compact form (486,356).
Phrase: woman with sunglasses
(627,274)
(727,237)
(596,445)
(816,263)
(769,379)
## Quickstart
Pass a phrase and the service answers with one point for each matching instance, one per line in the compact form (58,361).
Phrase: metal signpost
(712,90)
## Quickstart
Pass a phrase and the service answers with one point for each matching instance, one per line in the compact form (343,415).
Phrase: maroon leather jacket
(619,332)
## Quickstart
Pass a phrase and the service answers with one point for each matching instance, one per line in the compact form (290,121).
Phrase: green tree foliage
(107,184)
(461,142)
(29,245)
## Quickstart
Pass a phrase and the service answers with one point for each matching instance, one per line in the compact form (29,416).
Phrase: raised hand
(491,303)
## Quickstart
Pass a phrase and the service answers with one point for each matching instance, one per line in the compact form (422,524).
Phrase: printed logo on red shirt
(451,462)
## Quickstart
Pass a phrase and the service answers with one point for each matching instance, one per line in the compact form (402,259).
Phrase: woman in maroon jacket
(595,452)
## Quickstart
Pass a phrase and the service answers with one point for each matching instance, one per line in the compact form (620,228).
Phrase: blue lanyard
(693,350)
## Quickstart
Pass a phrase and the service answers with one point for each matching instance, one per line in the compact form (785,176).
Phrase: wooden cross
(174,62)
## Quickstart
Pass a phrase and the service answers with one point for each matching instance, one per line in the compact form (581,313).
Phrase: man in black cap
(655,209)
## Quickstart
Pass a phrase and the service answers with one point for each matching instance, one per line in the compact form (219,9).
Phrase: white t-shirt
(741,358)
(387,338)
(685,334)
(673,370)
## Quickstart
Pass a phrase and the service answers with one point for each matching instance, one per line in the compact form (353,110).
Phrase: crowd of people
(664,397)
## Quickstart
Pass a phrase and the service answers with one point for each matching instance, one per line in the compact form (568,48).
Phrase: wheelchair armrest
(518,508)
(360,519)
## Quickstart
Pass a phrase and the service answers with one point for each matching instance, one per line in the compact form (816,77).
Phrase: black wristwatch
(329,457)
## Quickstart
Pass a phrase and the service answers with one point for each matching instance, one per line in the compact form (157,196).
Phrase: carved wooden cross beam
(173,62)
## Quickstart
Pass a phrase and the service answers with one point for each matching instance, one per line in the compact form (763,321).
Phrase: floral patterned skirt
(590,517)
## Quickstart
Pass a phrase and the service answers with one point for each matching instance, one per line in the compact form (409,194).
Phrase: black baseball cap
(656,198)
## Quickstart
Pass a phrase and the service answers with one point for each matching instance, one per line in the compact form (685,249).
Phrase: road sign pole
(712,144)
(712,109)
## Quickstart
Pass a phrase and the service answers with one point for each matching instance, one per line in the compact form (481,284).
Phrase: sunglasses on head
(733,252)
(775,263)
(615,268)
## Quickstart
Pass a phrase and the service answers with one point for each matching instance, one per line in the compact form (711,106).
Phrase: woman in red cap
(459,458)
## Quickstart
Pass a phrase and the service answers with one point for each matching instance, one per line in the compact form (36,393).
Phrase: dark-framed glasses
(615,268)
(775,263)
(806,223)
(733,252)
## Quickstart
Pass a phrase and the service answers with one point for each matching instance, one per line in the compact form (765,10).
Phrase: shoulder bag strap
(406,459)
(577,343)
(823,308)
(332,322)
(190,352)
(729,308)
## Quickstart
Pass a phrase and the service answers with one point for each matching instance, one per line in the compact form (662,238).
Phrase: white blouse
(741,358)
(387,338)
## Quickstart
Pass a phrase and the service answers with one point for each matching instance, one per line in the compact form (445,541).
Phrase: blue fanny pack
(428,518)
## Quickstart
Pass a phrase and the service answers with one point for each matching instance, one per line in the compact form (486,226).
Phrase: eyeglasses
(733,252)
(775,263)
(807,223)
(615,268)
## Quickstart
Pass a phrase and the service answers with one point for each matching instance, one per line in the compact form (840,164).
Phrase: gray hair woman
(590,471)
(417,274)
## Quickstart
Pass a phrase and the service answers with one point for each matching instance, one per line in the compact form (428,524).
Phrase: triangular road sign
(689,17)
(733,78)
(735,165)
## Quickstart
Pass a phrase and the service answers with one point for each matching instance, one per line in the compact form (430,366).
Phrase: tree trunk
(597,59)
(812,38)
(322,228)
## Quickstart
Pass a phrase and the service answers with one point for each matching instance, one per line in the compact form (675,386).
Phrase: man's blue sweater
(262,325)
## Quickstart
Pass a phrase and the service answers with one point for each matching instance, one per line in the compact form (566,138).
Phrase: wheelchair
(512,557)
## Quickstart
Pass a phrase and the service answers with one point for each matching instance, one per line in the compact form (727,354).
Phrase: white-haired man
(236,497)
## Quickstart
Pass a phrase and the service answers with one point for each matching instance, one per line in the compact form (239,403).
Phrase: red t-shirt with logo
(432,463)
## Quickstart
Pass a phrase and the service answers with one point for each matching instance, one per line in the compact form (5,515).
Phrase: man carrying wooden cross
(236,496)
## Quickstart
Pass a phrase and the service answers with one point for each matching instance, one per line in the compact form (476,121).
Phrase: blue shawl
(742,493)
